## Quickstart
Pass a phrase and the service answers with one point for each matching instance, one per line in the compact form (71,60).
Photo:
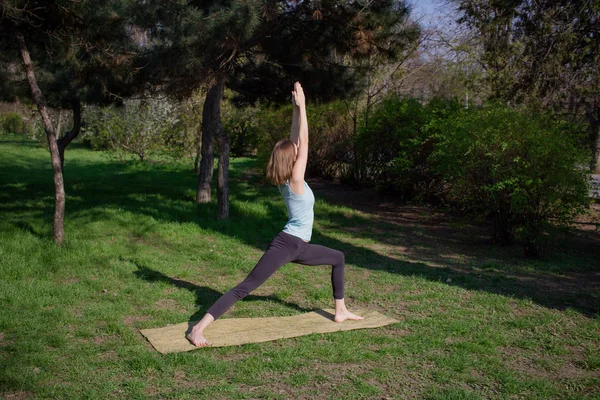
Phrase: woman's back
(300,211)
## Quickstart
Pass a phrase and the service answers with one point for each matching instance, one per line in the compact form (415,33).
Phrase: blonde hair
(281,163)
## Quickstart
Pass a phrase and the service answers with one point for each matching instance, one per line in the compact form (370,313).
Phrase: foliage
(11,122)
(390,143)
(543,53)
(273,124)
(184,135)
(527,45)
(263,47)
(330,140)
(393,148)
(519,168)
(81,49)
(241,126)
(139,127)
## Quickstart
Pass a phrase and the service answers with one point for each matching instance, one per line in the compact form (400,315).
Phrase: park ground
(476,321)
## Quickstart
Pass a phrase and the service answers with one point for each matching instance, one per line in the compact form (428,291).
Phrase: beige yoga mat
(236,331)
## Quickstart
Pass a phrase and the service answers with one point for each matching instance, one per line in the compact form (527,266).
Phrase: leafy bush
(331,142)
(393,148)
(11,123)
(272,124)
(138,128)
(241,126)
(521,169)
(330,132)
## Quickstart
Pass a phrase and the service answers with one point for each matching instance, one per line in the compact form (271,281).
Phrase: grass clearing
(475,321)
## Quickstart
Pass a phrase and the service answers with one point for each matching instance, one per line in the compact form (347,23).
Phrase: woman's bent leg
(280,252)
(315,254)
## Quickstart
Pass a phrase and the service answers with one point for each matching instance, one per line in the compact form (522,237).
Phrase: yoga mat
(236,331)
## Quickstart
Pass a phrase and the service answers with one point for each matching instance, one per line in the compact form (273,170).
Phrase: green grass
(476,322)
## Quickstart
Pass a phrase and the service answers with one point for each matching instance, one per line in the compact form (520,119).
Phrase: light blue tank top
(300,211)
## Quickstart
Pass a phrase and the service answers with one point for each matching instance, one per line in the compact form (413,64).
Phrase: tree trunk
(211,124)
(223,174)
(358,170)
(597,152)
(197,161)
(198,153)
(59,187)
(73,133)
(59,125)
(504,232)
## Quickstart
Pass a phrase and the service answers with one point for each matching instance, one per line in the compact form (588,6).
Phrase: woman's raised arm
(297,180)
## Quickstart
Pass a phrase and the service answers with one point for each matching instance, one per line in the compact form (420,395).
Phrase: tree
(383,63)
(258,49)
(67,52)
(545,53)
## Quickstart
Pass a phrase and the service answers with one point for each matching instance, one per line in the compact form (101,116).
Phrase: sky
(431,13)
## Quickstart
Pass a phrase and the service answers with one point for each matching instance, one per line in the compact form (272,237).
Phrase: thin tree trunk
(59,187)
(198,152)
(73,133)
(224,144)
(597,152)
(197,161)
(223,174)
(368,107)
(211,123)
(59,125)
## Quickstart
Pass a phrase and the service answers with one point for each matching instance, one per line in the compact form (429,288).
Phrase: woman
(286,169)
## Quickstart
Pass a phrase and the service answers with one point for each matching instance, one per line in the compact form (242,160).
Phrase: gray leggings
(284,248)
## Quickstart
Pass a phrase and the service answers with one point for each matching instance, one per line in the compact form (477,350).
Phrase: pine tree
(71,51)
(258,48)
(544,53)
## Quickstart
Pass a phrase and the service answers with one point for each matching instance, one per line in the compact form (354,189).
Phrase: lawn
(476,321)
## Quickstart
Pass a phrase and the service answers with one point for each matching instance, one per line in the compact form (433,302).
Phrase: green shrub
(393,148)
(521,169)
(242,128)
(331,142)
(330,131)
(11,123)
(272,124)
(140,128)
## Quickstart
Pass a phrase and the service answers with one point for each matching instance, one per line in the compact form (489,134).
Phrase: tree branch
(74,132)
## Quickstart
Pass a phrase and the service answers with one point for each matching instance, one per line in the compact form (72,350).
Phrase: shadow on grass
(166,193)
(204,295)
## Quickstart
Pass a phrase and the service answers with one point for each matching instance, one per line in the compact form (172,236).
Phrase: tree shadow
(167,194)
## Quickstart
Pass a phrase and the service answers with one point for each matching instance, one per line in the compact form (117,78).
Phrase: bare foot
(197,338)
(344,315)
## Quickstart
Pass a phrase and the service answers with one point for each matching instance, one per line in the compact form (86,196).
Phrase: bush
(519,168)
(330,135)
(393,148)
(331,142)
(272,124)
(390,142)
(241,126)
(11,123)
(139,128)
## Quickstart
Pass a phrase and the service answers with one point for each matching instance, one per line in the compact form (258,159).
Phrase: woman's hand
(298,95)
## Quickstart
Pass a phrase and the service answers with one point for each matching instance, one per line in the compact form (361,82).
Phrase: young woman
(286,170)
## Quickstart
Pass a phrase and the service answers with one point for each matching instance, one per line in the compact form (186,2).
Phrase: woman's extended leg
(282,250)
(315,254)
